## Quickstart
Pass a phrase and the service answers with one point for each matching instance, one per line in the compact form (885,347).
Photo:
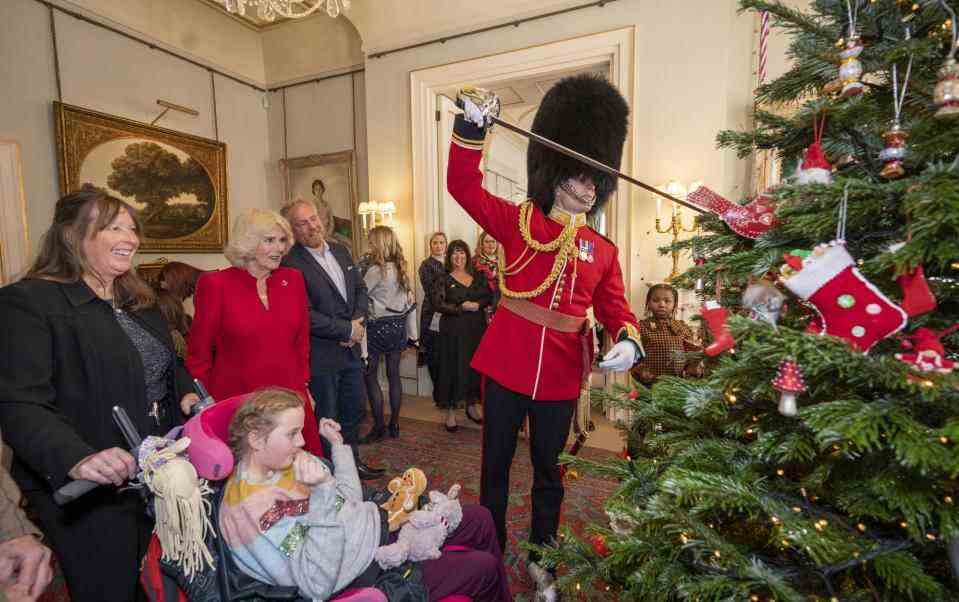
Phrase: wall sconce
(675,227)
(374,214)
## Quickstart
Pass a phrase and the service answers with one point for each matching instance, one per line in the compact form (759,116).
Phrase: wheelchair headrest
(209,433)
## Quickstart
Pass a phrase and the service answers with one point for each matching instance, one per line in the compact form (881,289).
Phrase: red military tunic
(520,355)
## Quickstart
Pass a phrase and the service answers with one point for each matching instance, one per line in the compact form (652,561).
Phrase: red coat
(236,345)
(522,356)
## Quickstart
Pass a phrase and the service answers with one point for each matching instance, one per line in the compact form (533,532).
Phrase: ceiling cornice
(241,20)
(259,26)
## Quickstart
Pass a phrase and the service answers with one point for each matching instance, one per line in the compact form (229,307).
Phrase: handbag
(389,333)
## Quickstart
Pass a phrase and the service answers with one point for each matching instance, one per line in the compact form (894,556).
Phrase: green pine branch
(724,498)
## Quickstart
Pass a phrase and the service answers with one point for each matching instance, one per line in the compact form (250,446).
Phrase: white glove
(479,106)
(620,358)
(472,113)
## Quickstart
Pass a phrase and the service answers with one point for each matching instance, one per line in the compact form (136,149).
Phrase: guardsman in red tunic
(536,354)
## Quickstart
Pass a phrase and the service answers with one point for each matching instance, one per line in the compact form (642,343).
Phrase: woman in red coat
(251,328)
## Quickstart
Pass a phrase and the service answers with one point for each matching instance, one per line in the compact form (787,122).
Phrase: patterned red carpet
(449,458)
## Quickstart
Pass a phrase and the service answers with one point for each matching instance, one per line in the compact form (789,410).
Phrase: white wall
(27,87)
(187,26)
(385,24)
(321,117)
(312,46)
(692,80)
(109,73)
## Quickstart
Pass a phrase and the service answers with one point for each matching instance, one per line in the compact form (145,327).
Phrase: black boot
(377,433)
(366,473)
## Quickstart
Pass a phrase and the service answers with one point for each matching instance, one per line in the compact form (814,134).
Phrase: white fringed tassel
(182,511)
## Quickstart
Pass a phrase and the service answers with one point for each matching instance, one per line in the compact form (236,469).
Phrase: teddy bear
(423,534)
(406,490)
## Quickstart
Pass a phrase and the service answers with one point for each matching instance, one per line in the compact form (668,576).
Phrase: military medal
(586,250)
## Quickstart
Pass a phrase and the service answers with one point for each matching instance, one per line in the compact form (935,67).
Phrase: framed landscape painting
(176,181)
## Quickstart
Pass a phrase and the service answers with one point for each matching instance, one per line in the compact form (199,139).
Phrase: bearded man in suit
(338,307)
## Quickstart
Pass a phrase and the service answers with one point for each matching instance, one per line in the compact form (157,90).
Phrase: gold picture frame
(177,181)
(150,271)
(337,171)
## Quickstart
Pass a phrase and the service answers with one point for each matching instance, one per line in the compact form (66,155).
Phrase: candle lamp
(374,213)
(675,226)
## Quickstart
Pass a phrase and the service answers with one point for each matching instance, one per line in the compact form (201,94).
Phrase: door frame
(616,47)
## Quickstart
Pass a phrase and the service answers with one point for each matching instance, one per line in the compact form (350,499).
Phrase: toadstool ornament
(789,382)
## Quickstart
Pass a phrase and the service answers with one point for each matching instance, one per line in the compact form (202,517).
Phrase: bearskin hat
(584,113)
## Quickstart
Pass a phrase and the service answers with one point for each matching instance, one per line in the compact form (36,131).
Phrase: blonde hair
(182,507)
(481,239)
(258,415)
(384,248)
(77,216)
(249,229)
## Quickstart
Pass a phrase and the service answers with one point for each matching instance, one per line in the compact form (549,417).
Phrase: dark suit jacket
(330,314)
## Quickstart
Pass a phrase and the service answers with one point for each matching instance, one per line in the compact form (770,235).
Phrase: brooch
(283,282)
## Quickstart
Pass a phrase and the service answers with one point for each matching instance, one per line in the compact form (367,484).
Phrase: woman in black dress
(461,297)
(431,270)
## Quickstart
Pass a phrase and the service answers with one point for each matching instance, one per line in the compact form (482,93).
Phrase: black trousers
(429,343)
(549,422)
(339,395)
(99,541)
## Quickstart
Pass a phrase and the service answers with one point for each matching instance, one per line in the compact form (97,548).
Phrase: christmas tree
(836,287)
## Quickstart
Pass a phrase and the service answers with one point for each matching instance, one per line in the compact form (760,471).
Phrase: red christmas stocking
(715,316)
(850,307)
(750,220)
(917,299)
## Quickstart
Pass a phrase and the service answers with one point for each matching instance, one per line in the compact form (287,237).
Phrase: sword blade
(593,163)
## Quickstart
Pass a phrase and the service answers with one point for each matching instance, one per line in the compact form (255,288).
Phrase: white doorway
(431,118)
(504,165)
(451,218)
(504,159)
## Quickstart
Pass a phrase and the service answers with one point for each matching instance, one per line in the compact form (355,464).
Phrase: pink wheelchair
(213,460)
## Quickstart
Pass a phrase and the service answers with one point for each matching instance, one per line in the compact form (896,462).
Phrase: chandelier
(268,10)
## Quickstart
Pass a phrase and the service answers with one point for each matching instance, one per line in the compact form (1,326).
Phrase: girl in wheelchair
(288,521)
